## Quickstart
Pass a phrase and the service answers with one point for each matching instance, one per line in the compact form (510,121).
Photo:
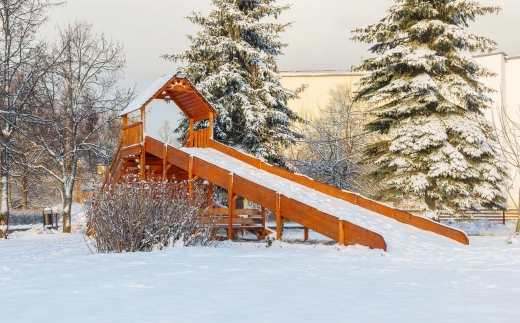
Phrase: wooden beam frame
(231,205)
(279,223)
(192,125)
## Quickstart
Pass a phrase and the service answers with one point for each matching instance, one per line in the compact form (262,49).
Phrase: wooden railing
(401,216)
(133,134)
(200,138)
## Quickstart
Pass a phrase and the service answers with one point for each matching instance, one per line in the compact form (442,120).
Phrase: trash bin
(47,218)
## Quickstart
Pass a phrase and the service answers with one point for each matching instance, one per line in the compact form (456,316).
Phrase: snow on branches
(437,147)
(232,60)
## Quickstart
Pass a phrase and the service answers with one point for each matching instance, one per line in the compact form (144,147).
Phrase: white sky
(318,39)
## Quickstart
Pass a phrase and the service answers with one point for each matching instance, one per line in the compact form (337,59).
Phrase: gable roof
(179,89)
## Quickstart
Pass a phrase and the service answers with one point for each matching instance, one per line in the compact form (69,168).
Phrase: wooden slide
(342,216)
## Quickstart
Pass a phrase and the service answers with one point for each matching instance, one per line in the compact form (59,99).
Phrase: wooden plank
(341,237)
(190,176)
(278,218)
(334,192)
(375,207)
(210,172)
(355,234)
(154,147)
(191,131)
(210,126)
(133,125)
(309,217)
(247,212)
(231,205)
(178,158)
(131,151)
(234,153)
(255,192)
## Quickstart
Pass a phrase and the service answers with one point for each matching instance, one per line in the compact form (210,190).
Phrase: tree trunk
(67,208)
(4,203)
(517,230)
(24,193)
(430,203)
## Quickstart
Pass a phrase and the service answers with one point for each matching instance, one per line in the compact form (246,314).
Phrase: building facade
(506,84)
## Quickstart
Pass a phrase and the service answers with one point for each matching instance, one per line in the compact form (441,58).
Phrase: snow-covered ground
(53,277)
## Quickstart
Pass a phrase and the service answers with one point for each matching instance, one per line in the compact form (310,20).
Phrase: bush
(147,215)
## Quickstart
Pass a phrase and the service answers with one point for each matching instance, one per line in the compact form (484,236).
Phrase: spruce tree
(232,61)
(436,147)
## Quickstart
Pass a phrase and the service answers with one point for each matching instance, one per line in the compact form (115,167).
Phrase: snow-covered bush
(147,215)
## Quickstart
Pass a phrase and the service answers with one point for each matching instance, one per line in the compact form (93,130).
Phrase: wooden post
(125,120)
(231,203)
(305,234)
(210,125)
(278,218)
(190,176)
(341,239)
(263,222)
(142,159)
(192,124)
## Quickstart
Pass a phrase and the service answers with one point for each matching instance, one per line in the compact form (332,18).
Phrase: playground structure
(345,217)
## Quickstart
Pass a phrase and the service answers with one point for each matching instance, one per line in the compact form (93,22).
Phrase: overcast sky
(318,39)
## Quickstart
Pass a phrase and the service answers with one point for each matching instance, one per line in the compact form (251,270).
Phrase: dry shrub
(147,215)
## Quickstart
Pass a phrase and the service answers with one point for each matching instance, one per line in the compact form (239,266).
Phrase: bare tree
(508,132)
(20,70)
(334,143)
(78,100)
(166,133)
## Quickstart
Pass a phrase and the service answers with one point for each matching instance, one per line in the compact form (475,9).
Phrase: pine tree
(232,61)
(436,146)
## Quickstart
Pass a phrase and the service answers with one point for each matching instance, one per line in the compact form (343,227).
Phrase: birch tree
(20,71)
(78,100)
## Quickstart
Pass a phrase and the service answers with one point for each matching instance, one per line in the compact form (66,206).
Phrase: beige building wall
(319,83)
(506,84)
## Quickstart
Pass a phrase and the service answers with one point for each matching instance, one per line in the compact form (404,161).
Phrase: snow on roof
(147,94)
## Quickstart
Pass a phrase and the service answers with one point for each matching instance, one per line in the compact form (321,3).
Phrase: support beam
(279,223)
(341,239)
(190,176)
(305,234)
(192,125)
(210,125)
(263,222)
(231,205)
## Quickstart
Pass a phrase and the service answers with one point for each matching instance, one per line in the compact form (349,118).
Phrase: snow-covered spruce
(232,60)
(437,148)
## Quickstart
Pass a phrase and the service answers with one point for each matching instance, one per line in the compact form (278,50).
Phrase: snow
(399,237)
(147,94)
(54,278)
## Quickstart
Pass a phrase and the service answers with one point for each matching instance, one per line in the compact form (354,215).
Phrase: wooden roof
(179,89)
